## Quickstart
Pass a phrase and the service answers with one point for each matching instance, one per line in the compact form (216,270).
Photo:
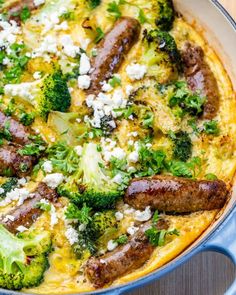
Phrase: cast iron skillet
(221,236)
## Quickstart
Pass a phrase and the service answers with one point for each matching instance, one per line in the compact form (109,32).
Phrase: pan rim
(176,262)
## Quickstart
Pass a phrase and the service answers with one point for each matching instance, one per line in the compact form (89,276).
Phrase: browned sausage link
(112,50)
(167,193)
(200,77)
(13,164)
(19,133)
(14,8)
(27,213)
(105,269)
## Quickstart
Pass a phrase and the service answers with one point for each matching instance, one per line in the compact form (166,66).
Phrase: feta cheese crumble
(106,87)
(119,216)
(103,105)
(9,32)
(17,194)
(22,181)
(78,150)
(53,214)
(47,166)
(143,215)
(111,245)
(82,227)
(84,82)
(128,210)
(39,2)
(8,217)
(118,178)
(85,66)
(68,46)
(22,90)
(133,157)
(136,71)
(37,75)
(129,89)
(53,180)
(21,228)
(71,235)
(131,230)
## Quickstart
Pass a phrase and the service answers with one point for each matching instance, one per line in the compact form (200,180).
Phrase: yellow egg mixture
(217,152)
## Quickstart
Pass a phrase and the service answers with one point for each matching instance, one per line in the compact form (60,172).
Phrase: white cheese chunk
(53,214)
(118,178)
(119,216)
(84,64)
(8,217)
(143,215)
(131,230)
(78,149)
(111,245)
(136,71)
(106,87)
(71,235)
(68,46)
(47,166)
(53,180)
(84,82)
(133,157)
(37,75)
(39,2)
(21,228)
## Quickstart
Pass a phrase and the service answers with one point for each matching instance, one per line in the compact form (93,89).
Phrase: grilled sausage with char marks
(126,258)
(176,194)
(200,78)
(15,8)
(19,133)
(27,213)
(13,164)
(112,50)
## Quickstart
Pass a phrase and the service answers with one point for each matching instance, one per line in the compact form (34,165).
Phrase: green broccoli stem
(23,261)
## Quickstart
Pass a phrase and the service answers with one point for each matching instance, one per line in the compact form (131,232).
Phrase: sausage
(15,8)
(175,194)
(200,78)
(13,164)
(26,214)
(112,50)
(19,133)
(126,258)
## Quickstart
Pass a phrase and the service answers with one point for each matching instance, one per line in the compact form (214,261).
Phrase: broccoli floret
(23,260)
(45,95)
(182,146)
(7,186)
(97,226)
(95,199)
(166,15)
(91,184)
(102,221)
(152,111)
(66,126)
(162,48)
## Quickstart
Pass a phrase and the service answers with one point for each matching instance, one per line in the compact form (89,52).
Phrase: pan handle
(223,241)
